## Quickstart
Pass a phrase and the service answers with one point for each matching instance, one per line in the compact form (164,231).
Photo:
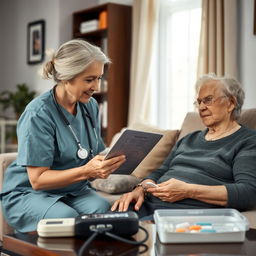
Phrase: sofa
(115,185)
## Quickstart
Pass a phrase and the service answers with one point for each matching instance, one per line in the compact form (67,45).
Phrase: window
(175,62)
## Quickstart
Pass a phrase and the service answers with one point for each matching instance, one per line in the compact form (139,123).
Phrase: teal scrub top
(45,140)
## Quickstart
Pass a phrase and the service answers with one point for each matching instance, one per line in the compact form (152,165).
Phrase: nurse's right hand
(100,168)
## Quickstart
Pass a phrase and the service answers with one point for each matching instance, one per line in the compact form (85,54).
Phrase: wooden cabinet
(113,35)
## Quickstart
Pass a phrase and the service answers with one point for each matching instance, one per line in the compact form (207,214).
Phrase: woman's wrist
(140,189)
(86,173)
(139,185)
(191,191)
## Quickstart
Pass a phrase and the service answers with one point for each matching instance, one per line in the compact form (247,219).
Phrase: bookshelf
(113,35)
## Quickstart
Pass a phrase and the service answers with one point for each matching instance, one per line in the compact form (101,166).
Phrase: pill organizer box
(200,226)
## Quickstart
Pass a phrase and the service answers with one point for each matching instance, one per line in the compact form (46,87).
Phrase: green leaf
(18,100)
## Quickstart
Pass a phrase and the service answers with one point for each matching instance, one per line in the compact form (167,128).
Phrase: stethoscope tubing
(72,130)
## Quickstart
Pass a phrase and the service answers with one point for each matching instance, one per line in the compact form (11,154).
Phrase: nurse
(59,144)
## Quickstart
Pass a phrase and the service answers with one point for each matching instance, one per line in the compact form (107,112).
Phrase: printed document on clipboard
(135,145)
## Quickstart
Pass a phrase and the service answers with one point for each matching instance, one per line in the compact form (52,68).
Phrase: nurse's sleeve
(36,136)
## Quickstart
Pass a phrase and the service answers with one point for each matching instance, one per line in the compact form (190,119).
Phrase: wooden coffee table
(31,245)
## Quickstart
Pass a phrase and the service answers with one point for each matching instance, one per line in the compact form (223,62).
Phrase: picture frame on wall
(35,43)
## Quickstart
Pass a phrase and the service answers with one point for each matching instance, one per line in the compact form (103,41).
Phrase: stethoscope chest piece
(82,153)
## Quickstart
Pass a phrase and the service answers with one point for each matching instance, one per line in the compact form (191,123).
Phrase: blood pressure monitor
(62,227)
(119,223)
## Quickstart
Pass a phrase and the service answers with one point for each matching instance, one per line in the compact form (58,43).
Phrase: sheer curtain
(218,42)
(175,62)
(144,27)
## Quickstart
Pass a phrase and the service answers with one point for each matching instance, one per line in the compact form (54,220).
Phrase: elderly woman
(215,167)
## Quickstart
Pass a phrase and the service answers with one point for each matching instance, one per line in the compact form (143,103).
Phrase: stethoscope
(82,153)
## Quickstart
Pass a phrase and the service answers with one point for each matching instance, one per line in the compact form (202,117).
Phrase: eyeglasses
(208,101)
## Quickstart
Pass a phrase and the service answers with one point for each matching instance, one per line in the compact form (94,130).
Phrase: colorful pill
(204,224)
(180,230)
(195,227)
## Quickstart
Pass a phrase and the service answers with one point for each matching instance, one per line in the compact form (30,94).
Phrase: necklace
(233,127)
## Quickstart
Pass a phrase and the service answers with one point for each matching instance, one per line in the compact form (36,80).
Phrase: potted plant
(18,100)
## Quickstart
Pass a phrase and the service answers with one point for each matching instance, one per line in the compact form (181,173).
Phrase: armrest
(5,160)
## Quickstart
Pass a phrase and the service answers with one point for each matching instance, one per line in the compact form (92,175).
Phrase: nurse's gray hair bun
(48,70)
(71,59)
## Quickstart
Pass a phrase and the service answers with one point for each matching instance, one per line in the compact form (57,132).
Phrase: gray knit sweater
(230,161)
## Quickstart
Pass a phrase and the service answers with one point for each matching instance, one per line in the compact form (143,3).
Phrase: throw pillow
(115,183)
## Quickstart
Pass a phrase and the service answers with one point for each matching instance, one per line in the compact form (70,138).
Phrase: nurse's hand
(100,168)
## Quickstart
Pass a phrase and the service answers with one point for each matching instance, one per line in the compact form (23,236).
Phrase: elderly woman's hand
(171,190)
(136,196)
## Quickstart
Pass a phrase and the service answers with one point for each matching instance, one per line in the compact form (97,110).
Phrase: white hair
(72,58)
(231,88)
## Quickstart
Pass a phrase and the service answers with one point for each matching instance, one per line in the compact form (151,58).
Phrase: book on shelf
(88,26)
(103,24)
(89,23)
(87,29)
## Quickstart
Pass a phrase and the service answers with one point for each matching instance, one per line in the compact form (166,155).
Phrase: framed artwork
(35,44)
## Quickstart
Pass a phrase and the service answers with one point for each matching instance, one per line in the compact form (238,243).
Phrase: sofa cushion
(248,118)
(5,160)
(115,183)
